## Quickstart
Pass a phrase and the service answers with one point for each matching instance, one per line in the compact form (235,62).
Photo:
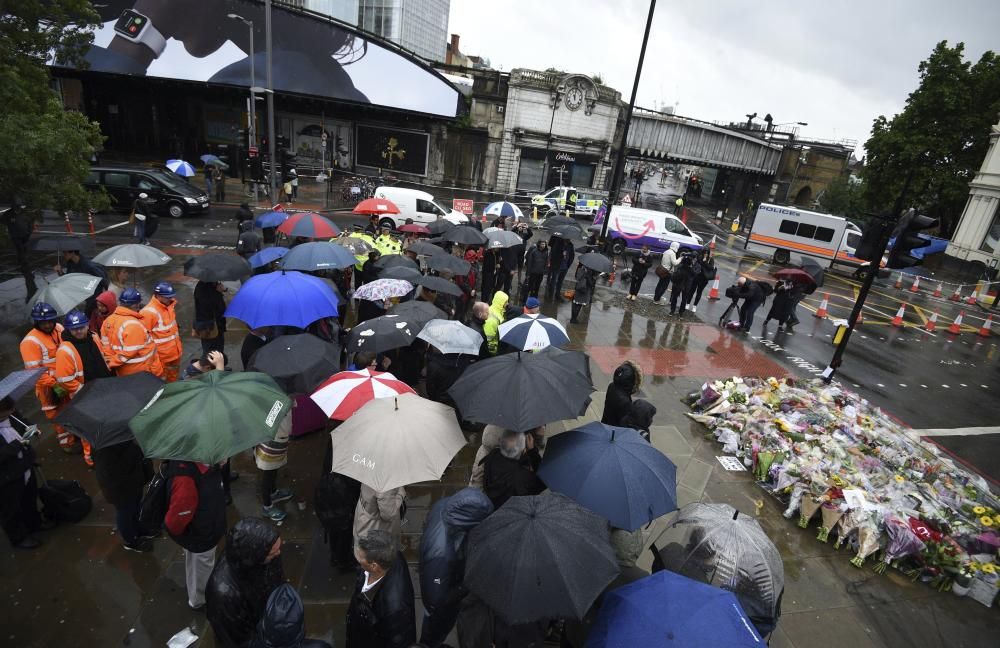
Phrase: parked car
(171,194)
(416,204)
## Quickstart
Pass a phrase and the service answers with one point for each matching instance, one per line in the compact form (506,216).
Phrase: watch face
(574,98)
(130,23)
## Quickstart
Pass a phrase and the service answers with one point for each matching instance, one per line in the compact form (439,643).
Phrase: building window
(531,174)
(582,175)
(991,242)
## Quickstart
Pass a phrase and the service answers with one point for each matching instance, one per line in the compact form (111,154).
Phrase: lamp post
(252,126)
(270,100)
(768,136)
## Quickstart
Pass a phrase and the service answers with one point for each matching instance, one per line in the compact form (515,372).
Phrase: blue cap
(164,289)
(130,297)
(42,312)
(532,302)
(75,320)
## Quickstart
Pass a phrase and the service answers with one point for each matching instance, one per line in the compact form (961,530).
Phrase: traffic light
(872,243)
(906,239)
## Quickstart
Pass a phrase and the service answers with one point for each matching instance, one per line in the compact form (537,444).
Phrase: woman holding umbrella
(786,297)
(586,280)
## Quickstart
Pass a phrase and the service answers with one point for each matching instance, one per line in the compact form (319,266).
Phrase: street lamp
(252,128)
(270,99)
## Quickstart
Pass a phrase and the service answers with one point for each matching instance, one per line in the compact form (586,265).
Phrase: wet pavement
(82,588)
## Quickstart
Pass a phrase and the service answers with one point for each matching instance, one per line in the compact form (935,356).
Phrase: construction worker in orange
(79,359)
(38,350)
(161,320)
(128,344)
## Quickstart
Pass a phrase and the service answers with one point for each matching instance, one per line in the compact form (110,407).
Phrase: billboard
(392,149)
(195,40)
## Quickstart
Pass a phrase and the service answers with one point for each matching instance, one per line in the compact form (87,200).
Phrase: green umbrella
(211,418)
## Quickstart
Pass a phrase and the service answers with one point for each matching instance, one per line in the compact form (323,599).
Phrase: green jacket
(492,326)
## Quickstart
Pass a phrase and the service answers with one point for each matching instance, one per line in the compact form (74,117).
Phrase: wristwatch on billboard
(135,27)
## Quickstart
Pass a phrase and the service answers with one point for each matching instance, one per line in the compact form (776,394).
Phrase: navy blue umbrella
(318,255)
(271,219)
(267,256)
(613,472)
(283,299)
(667,609)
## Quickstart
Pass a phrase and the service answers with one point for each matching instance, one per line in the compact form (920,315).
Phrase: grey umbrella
(60,243)
(440,284)
(67,292)
(449,336)
(715,544)
(131,255)
(449,263)
(423,248)
(503,239)
(18,383)
(465,235)
(401,272)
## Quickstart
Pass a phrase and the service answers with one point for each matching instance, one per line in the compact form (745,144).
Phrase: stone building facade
(977,237)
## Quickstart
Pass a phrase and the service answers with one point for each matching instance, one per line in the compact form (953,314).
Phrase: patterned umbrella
(309,225)
(381,289)
(344,393)
(376,206)
(504,209)
(181,168)
(532,332)
(382,334)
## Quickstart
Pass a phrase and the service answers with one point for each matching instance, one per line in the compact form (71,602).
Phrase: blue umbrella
(214,160)
(612,471)
(318,255)
(271,219)
(504,209)
(267,256)
(531,332)
(283,299)
(667,609)
(181,168)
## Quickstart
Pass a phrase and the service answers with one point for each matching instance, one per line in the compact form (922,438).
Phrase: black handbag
(63,500)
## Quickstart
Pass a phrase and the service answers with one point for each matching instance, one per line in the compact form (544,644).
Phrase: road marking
(946,386)
(924,386)
(967,431)
(902,384)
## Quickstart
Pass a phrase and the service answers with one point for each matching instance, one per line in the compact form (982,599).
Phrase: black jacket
(122,472)
(244,213)
(586,280)
(751,292)
(209,523)
(209,305)
(537,260)
(442,372)
(504,478)
(284,623)
(640,266)
(384,617)
(618,401)
(86,266)
(94,364)
(15,458)
(251,343)
(442,545)
(241,583)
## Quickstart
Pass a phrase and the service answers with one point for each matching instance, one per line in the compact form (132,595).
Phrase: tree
(46,148)
(939,139)
(844,198)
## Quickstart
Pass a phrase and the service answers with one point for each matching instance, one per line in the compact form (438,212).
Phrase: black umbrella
(595,261)
(540,557)
(298,363)
(560,221)
(101,411)
(382,334)
(60,243)
(387,261)
(576,360)
(449,263)
(439,227)
(423,248)
(464,235)
(217,267)
(441,285)
(815,271)
(536,390)
(418,313)
(405,273)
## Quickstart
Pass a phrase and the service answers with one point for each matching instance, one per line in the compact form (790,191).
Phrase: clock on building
(574,97)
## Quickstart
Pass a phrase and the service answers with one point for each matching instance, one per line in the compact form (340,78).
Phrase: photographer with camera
(753,295)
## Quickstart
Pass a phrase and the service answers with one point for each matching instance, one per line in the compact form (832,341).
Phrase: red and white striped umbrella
(345,392)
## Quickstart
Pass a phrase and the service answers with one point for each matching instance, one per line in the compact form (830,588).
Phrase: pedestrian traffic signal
(907,240)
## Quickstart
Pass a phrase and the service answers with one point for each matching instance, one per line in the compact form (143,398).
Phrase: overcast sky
(836,65)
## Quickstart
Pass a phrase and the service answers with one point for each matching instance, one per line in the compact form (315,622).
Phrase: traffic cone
(534,213)
(823,305)
(861,318)
(69,225)
(932,323)
(90,221)
(957,295)
(899,280)
(898,319)
(711,246)
(987,328)
(974,297)
(714,292)
(684,215)
(916,284)
(956,326)
(939,290)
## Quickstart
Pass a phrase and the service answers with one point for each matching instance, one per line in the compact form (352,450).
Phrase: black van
(171,194)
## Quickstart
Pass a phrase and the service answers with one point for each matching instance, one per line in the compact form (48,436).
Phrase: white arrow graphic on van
(649,227)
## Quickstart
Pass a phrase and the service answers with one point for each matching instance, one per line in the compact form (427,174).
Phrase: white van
(418,205)
(789,231)
(631,227)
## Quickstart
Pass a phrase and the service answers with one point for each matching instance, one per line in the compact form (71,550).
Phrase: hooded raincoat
(284,623)
(626,381)
(241,582)
(492,326)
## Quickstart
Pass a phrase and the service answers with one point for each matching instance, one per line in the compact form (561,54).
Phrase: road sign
(252,151)
(463,205)
(627,201)
(323,136)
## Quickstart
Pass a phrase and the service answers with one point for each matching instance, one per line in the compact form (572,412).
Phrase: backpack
(64,500)
(247,244)
(155,501)
(331,501)
(766,288)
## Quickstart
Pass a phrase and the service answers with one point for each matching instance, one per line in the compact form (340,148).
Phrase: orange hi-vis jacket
(69,365)
(39,350)
(162,324)
(128,344)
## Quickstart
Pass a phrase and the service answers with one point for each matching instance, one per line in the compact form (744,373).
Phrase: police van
(586,202)
(787,232)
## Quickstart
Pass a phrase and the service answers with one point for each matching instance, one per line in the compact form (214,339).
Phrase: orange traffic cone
(938,290)
(899,280)
(898,319)
(69,225)
(90,221)
(987,328)
(916,284)
(932,323)
(823,305)
(714,292)
(956,326)
(957,295)
(974,297)
(711,246)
